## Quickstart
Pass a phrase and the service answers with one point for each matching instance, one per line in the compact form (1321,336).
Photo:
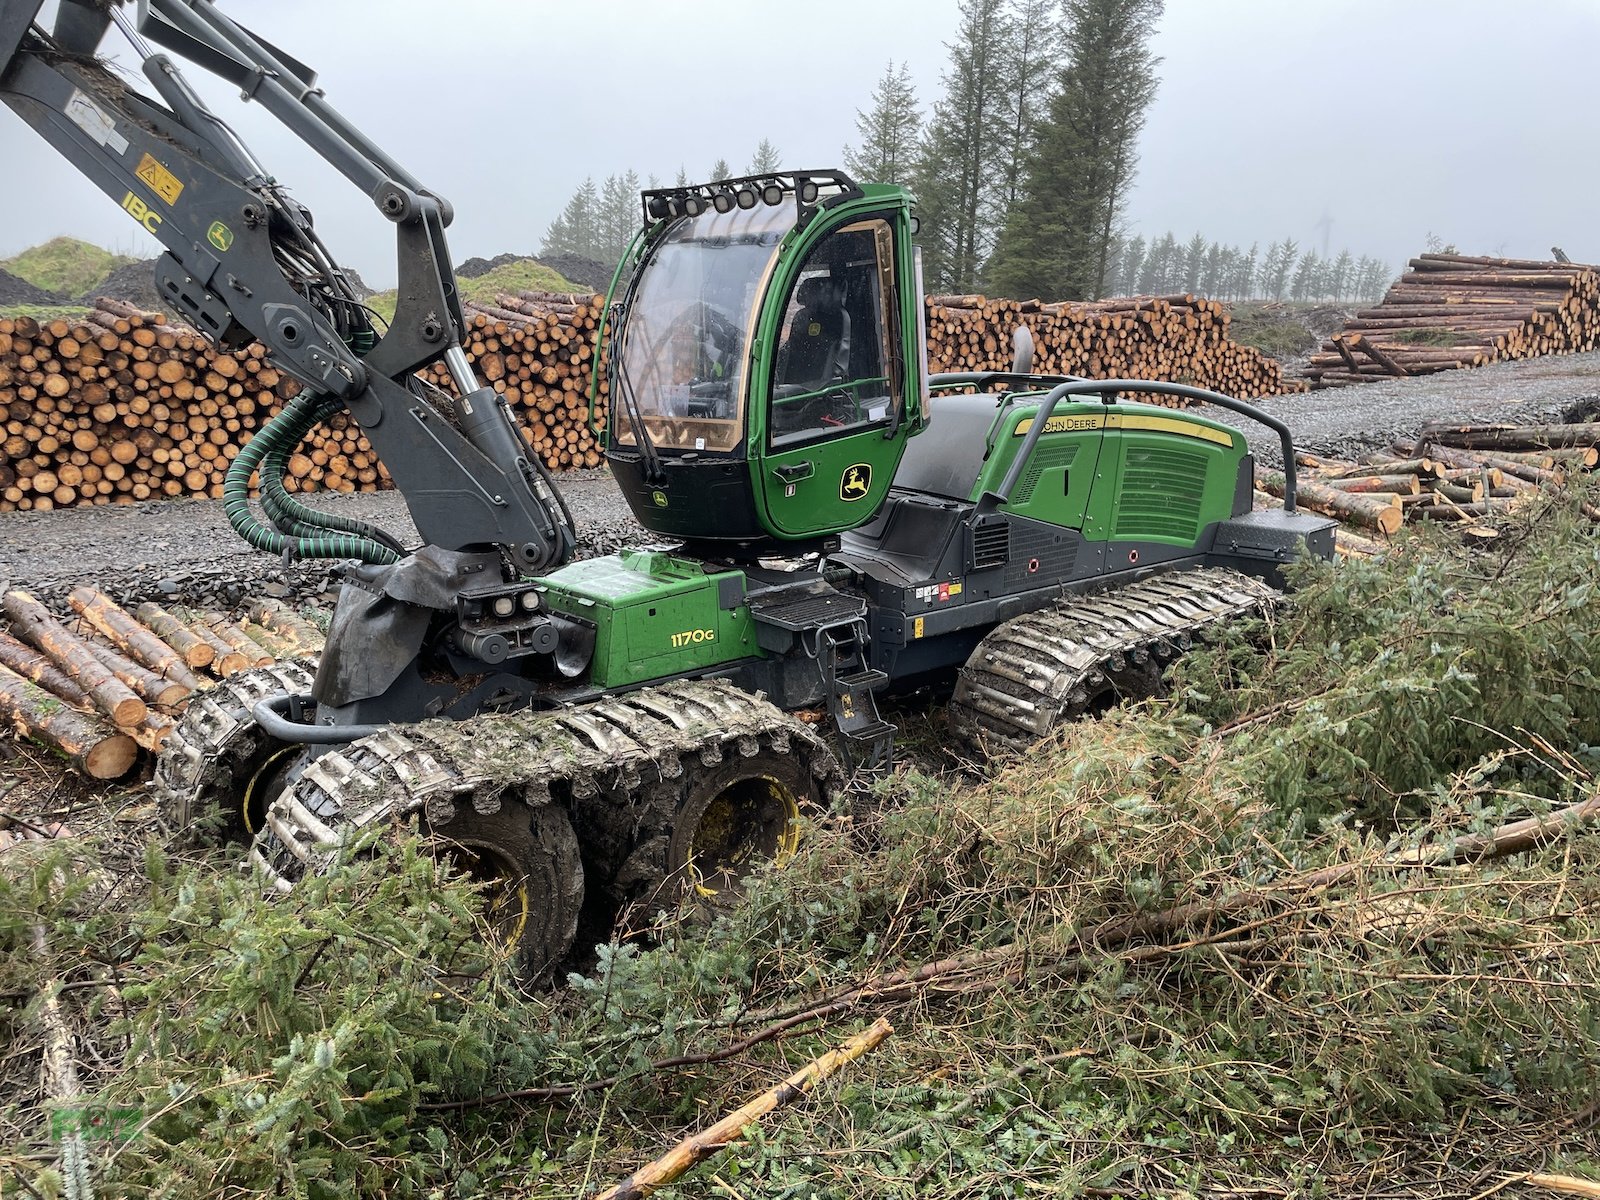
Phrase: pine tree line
(598,222)
(1021,169)
(1165,265)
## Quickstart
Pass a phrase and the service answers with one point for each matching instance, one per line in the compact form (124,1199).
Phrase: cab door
(836,394)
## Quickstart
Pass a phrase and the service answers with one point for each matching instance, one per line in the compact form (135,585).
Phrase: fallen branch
(1126,936)
(702,1146)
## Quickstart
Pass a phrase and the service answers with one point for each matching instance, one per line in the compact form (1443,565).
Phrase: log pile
(538,348)
(1183,339)
(1451,311)
(100,684)
(1467,475)
(121,406)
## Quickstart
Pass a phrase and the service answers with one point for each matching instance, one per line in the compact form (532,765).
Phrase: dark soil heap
(20,291)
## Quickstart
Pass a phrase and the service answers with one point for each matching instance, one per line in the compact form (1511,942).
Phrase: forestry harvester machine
(836,522)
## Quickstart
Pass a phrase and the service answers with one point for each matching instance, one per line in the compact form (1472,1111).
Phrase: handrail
(989,501)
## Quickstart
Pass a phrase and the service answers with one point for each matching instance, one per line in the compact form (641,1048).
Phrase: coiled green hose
(313,534)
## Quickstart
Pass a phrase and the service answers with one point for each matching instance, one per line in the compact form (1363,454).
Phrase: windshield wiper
(651,457)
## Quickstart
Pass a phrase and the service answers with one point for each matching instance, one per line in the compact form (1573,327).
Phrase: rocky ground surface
(185,549)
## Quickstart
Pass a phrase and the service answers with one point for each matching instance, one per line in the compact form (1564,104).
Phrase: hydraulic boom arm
(243,263)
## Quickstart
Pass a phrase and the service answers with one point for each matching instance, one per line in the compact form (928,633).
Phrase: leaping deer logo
(856,482)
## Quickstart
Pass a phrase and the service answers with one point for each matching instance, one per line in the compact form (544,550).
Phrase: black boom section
(243,262)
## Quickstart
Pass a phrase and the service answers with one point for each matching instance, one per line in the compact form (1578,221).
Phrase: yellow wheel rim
(753,820)
(262,772)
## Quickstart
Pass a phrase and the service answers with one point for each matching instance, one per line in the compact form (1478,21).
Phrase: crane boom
(243,262)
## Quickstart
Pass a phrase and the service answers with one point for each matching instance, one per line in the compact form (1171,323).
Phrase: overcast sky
(1385,119)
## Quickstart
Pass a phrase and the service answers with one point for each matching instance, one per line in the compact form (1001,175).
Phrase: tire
(529,857)
(734,817)
(219,769)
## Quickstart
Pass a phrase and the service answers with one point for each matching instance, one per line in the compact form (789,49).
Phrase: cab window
(836,363)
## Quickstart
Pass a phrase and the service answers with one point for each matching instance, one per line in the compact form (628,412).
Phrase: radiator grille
(991,545)
(1161,494)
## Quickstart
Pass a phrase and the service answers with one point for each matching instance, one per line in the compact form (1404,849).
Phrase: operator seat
(818,349)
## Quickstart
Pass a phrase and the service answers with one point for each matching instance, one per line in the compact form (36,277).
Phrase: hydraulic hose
(279,437)
(290,516)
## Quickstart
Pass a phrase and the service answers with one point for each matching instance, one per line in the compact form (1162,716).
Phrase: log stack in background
(1451,311)
(121,407)
(1183,339)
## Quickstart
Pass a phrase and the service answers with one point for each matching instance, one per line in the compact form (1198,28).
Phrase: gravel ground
(1343,421)
(184,549)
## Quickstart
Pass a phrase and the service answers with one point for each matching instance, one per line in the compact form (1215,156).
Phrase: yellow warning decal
(1079,423)
(161,181)
(1175,425)
(916,627)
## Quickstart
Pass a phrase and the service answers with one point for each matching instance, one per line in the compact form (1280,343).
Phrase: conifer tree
(1057,237)
(766,160)
(577,230)
(888,131)
(721,170)
(961,151)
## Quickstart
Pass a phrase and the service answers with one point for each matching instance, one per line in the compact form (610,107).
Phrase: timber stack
(1450,311)
(1178,338)
(98,683)
(120,406)
(1464,475)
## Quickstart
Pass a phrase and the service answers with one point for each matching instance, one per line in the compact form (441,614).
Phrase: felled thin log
(98,752)
(227,660)
(1371,510)
(37,668)
(67,651)
(241,642)
(1406,484)
(150,687)
(1514,437)
(703,1145)
(196,651)
(134,639)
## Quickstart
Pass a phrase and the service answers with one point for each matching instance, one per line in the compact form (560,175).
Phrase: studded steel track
(1040,669)
(610,756)
(206,761)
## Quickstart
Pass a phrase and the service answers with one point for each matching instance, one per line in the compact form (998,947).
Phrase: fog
(1371,125)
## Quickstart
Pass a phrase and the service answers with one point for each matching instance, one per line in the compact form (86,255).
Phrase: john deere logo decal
(220,236)
(660,499)
(855,482)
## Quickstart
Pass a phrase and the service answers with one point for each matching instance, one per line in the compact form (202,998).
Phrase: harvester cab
(766,369)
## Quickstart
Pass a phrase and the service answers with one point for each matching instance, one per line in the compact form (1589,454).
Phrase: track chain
(609,749)
(205,761)
(1040,669)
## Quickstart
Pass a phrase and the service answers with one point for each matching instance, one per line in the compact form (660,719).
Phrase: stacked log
(1183,339)
(538,348)
(1451,311)
(98,688)
(1468,475)
(121,406)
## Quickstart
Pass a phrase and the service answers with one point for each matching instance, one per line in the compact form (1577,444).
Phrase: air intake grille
(1161,494)
(1045,456)
(991,545)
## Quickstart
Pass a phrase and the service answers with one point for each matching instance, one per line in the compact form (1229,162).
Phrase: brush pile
(1451,311)
(1324,920)
(101,684)
(1467,475)
(1183,339)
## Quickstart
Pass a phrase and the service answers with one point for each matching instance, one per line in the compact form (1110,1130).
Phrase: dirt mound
(585,272)
(19,291)
(133,284)
(476,267)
